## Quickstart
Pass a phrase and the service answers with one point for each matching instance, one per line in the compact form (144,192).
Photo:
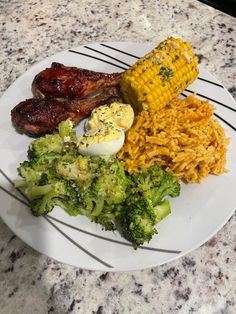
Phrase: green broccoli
(102,183)
(45,191)
(29,175)
(59,193)
(74,167)
(111,182)
(139,217)
(53,143)
(155,183)
(145,207)
(108,216)
(42,185)
(36,171)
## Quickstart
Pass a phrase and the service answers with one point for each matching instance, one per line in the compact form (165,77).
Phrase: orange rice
(183,137)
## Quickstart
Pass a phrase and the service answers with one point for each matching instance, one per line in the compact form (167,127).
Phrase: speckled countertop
(204,281)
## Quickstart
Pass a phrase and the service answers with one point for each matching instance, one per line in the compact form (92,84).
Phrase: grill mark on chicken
(37,116)
(61,81)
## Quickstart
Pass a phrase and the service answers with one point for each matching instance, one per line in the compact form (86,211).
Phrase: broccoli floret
(44,205)
(45,189)
(59,193)
(105,191)
(43,162)
(47,144)
(53,143)
(30,175)
(145,206)
(139,217)
(101,182)
(36,171)
(107,216)
(106,220)
(155,183)
(74,167)
(111,182)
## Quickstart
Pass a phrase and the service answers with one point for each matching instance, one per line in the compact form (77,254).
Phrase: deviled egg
(101,141)
(117,114)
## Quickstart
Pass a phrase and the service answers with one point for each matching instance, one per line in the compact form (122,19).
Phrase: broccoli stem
(162,210)
(38,191)
(19,183)
(98,207)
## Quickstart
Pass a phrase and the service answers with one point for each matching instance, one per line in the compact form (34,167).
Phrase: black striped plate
(200,211)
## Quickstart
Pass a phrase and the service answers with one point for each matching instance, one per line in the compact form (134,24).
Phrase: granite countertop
(203,281)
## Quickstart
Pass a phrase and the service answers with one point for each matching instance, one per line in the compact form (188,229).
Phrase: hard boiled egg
(101,141)
(117,114)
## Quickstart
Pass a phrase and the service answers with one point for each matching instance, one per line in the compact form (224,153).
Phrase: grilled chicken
(61,81)
(37,116)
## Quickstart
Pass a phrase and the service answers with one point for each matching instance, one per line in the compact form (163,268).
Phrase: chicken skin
(61,81)
(37,116)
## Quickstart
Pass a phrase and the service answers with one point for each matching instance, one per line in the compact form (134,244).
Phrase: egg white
(103,148)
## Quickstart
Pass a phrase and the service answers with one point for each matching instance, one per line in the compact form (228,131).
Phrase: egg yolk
(118,114)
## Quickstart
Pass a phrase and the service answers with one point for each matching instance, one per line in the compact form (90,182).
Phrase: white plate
(200,211)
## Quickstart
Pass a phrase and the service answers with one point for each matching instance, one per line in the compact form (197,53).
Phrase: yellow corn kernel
(160,76)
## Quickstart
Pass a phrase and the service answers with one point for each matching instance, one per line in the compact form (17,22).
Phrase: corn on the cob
(160,76)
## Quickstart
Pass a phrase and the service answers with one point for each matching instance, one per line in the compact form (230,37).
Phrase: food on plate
(105,140)
(60,81)
(101,185)
(37,116)
(145,206)
(117,179)
(105,130)
(117,114)
(55,174)
(182,137)
(160,76)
